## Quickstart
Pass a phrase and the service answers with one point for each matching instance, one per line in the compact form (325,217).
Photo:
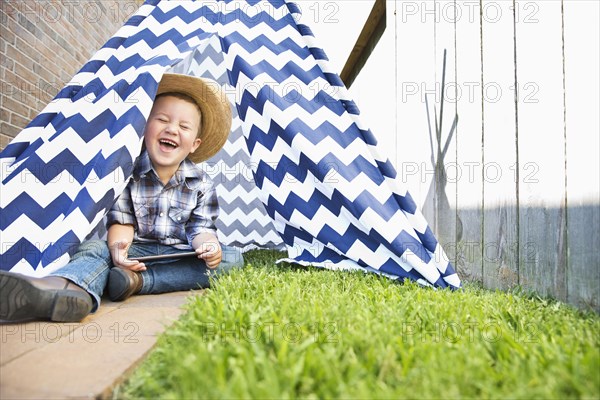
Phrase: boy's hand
(118,252)
(210,251)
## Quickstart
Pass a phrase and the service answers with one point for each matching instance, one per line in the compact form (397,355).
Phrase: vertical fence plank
(469,139)
(542,218)
(500,227)
(445,139)
(415,72)
(581,35)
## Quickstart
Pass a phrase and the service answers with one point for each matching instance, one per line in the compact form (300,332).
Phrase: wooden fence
(501,147)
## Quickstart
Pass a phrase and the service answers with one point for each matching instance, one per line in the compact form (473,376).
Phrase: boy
(168,207)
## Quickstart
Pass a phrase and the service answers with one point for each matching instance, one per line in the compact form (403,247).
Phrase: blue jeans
(89,268)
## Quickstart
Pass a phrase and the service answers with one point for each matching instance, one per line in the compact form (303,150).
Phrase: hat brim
(215,121)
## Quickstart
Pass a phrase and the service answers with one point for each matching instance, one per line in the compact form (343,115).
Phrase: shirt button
(162,214)
(178,218)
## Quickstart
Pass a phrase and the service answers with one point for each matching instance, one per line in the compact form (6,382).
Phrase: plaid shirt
(171,214)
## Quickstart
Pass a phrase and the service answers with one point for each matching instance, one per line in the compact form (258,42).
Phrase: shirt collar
(187,169)
(142,166)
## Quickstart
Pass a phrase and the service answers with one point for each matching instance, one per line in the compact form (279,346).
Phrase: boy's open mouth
(167,144)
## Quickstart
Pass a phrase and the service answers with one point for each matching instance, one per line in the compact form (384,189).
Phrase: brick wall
(42,45)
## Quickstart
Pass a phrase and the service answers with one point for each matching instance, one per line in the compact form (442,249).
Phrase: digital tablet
(164,256)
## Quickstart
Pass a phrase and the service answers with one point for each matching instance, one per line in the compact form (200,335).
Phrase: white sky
(336,25)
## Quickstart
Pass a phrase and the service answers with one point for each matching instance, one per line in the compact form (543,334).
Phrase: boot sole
(20,300)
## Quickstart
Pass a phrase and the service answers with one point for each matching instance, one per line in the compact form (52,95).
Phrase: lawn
(289,332)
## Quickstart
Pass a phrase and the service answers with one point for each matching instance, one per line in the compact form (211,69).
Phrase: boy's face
(171,132)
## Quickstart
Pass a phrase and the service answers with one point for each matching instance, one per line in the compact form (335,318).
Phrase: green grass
(285,332)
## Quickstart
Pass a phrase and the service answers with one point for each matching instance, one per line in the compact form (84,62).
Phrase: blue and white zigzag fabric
(298,152)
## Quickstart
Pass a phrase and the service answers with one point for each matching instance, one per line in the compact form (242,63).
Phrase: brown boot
(52,297)
(123,283)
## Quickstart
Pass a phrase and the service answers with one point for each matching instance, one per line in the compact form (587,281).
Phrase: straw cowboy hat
(215,122)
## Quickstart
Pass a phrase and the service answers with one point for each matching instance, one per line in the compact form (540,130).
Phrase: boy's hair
(184,97)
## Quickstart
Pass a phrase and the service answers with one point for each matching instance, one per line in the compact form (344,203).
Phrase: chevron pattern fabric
(243,221)
(300,167)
